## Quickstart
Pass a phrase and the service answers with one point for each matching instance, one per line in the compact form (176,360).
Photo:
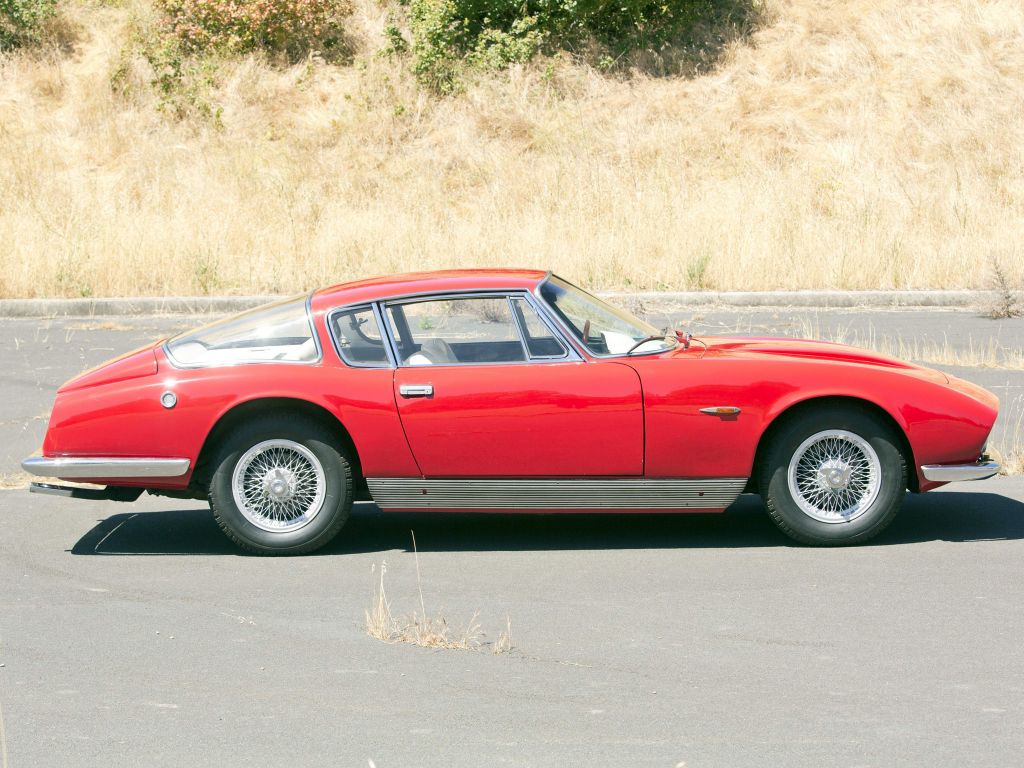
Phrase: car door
(486,388)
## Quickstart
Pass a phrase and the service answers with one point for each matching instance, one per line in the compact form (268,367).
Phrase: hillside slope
(862,144)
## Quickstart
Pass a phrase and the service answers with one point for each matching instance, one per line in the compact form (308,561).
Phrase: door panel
(532,420)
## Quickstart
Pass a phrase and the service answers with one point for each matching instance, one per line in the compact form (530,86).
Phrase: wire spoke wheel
(279,485)
(834,476)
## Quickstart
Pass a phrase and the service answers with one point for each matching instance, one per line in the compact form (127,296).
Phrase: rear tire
(282,486)
(833,476)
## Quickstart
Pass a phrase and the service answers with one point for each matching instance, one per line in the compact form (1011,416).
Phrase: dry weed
(1009,451)
(422,629)
(990,353)
(1005,303)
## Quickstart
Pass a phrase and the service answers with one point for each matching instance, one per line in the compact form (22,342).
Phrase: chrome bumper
(95,466)
(948,473)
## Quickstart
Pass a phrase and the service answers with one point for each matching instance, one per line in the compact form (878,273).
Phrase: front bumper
(69,467)
(949,473)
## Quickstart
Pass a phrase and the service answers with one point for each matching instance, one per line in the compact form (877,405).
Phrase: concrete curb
(172,305)
(204,305)
(825,299)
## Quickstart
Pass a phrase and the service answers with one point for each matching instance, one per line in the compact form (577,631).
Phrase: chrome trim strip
(625,493)
(949,473)
(721,410)
(519,327)
(96,466)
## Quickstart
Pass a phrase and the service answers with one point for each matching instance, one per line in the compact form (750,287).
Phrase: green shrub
(290,27)
(496,33)
(21,21)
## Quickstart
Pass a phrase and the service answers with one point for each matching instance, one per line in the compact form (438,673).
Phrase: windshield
(600,327)
(279,332)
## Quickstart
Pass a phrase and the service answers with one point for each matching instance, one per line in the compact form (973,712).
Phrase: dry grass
(866,144)
(990,353)
(1009,452)
(421,628)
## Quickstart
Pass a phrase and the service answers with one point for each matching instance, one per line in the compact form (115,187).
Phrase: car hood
(802,349)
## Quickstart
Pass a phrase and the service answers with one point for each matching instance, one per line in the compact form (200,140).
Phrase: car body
(502,390)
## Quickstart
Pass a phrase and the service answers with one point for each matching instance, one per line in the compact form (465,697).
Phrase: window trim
(374,307)
(166,346)
(570,355)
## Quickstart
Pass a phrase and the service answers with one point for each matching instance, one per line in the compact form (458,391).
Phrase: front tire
(282,486)
(833,476)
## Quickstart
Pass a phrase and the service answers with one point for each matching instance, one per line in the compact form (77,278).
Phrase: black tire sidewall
(337,498)
(797,523)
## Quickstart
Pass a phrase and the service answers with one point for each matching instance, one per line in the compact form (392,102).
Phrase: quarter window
(453,331)
(279,332)
(540,341)
(358,337)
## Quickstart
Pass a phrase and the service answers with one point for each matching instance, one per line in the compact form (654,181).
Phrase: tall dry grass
(862,144)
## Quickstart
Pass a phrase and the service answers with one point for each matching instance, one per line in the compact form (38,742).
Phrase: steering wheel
(586,331)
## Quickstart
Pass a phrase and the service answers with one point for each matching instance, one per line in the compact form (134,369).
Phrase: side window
(453,331)
(540,341)
(358,337)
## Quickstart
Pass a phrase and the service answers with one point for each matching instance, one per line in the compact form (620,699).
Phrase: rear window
(275,333)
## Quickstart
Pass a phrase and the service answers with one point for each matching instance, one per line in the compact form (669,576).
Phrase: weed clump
(425,630)
(1005,303)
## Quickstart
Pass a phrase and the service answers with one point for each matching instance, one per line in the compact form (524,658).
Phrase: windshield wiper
(659,337)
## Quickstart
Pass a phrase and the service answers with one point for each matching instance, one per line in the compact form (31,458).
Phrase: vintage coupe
(513,390)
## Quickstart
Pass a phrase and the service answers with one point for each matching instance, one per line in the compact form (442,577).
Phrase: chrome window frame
(571,355)
(378,316)
(166,346)
(577,343)
(566,349)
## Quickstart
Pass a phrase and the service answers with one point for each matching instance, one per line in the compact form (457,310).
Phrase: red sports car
(491,390)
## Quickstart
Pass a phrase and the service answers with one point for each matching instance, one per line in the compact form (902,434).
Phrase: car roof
(413,283)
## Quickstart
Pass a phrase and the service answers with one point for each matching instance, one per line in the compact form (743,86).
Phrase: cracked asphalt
(135,634)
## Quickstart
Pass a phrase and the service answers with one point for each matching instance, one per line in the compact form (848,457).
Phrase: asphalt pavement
(135,634)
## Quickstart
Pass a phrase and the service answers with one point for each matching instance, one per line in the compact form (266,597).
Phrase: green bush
(291,27)
(21,21)
(496,33)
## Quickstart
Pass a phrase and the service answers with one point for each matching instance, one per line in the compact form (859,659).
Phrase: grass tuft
(422,629)
(1005,302)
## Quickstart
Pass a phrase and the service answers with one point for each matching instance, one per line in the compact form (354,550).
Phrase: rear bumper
(948,473)
(107,468)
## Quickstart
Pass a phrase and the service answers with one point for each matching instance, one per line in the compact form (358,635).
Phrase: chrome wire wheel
(834,476)
(279,485)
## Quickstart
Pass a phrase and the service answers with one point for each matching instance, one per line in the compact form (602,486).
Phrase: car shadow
(956,517)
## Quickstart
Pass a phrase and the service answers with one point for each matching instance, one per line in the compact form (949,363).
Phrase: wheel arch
(263,406)
(825,402)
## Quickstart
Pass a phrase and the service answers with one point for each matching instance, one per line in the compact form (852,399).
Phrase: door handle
(416,390)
